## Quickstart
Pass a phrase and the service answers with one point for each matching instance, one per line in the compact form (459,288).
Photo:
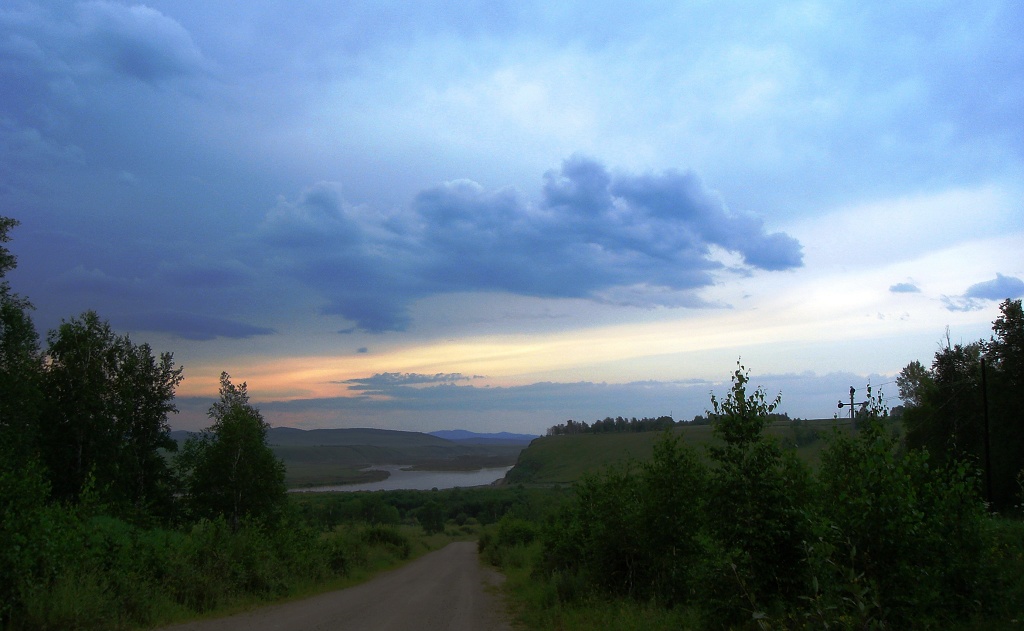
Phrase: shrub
(913,531)
(388,537)
(758,505)
(513,531)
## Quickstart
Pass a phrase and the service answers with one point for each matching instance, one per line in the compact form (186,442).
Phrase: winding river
(417,480)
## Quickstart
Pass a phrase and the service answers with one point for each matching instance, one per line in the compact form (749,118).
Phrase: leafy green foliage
(909,532)
(879,538)
(757,505)
(229,470)
(108,400)
(947,404)
(633,530)
(115,575)
(432,517)
(1005,353)
(34,536)
(20,367)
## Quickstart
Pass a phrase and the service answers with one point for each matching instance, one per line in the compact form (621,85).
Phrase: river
(417,480)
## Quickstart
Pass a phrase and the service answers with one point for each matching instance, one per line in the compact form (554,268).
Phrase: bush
(432,517)
(513,531)
(388,537)
(880,538)
(912,531)
(34,536)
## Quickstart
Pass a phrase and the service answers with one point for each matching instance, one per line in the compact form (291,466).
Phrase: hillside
(564,459)
(339,456)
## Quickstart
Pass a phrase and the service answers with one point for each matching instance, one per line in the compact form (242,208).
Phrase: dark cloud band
(593,234)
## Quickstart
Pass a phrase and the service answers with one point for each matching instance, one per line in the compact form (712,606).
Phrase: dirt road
(444,590)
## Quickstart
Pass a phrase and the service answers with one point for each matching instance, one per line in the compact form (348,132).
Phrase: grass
(378,558)
(535,604)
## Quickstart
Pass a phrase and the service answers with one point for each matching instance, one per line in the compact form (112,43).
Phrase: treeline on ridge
(621,425)
(611,425)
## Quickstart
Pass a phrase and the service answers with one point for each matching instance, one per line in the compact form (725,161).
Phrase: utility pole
(853,391)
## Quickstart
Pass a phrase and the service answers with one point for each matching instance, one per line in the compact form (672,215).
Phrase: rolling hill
(566,458)
(340,456)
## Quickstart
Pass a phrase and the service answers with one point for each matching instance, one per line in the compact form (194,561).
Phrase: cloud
(645,240)
(1000,288)
(192,326)
(137,42)
(205,274)
(83,281)
(392,383)
(904,288)
(961,304)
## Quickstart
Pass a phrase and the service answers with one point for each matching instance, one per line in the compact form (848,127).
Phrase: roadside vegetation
(105,523)
(880,529)
(742,520)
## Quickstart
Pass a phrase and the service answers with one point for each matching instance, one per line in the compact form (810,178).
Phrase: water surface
(417,480)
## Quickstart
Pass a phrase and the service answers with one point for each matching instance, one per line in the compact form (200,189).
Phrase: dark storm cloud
(191,326)
(212,275)
(58,55)
(904,288)
(137,42)
(624,238)
(74,76)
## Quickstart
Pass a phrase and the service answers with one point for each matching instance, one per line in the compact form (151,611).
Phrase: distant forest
(620,425)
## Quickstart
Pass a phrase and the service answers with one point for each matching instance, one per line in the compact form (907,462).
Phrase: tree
(947,405)
(1005,355)
(229,469)
(105,419)
(757,504)
(20,366)
(1006,348)
(25,530)
(7,260)
(914,382)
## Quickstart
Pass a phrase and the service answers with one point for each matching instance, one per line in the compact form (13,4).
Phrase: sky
(498,216)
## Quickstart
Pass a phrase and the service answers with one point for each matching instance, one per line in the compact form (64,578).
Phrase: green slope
(564,459)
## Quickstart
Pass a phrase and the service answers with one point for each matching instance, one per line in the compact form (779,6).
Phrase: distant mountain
(291,436)
(473,438)
(181,435)
(350,436)
(294,437)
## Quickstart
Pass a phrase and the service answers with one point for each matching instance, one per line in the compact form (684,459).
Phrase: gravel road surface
(445,590)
